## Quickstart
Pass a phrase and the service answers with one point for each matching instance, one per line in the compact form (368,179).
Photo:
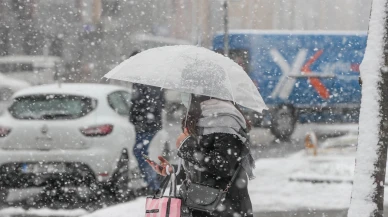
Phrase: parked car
(34,69)
(73,134)
(304,76)
(8,86)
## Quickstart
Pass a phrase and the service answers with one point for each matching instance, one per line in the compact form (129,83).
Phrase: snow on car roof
(82,89)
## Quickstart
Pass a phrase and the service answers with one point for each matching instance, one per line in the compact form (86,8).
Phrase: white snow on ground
(41,212)
(134,208)
(272,190)
(326,169)
(362,204)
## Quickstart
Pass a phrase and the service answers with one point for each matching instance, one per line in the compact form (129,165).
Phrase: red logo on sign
(315,82)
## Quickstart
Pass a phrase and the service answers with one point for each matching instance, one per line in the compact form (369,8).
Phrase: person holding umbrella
(214,146)
(211,147)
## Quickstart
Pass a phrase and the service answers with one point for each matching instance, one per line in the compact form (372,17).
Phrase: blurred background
(92,36)
(304,145)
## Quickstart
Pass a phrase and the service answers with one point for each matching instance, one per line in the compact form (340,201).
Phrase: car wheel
(120,180)
(283,122)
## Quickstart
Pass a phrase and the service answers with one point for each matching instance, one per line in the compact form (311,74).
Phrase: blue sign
(311,71)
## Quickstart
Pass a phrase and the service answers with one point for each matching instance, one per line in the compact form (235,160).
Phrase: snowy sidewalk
(272,193)
(20,212)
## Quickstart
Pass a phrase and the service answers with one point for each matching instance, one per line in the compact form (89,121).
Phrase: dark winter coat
(147,103)
(214,159)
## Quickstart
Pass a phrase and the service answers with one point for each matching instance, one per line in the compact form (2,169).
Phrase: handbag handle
(233,178)
(172,185)
(169,180)
(163,186)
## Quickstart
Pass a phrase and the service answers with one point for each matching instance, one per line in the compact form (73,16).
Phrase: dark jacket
(147,103)
(214,159)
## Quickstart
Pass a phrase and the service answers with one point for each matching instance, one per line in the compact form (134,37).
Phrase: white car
(77,134)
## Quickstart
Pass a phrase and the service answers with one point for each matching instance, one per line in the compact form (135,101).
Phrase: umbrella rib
(164,82)
(230,86)
(254,88)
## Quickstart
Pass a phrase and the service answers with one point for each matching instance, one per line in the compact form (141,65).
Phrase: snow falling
(101,100)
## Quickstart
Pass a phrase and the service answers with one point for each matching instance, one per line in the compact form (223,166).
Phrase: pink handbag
(164,206)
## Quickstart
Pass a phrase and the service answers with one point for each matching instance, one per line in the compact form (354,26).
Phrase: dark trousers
(143,141)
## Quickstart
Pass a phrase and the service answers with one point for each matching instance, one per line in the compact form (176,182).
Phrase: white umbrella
(191,69)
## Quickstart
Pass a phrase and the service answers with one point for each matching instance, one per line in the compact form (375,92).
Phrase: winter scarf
(222,117)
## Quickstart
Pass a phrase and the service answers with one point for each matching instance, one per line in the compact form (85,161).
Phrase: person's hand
(182,137)
(161,168)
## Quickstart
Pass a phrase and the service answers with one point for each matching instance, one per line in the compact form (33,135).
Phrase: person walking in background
(147,103)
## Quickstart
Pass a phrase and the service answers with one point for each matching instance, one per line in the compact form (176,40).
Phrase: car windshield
(51,107)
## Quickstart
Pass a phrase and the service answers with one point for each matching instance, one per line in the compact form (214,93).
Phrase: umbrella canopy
(191,69)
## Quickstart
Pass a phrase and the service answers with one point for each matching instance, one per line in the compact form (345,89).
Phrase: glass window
(127,97)
(118,103)
(51,107)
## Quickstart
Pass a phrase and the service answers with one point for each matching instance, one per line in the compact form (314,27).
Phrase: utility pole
(226,29)
(381,164)
(194,21)
(369,178)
